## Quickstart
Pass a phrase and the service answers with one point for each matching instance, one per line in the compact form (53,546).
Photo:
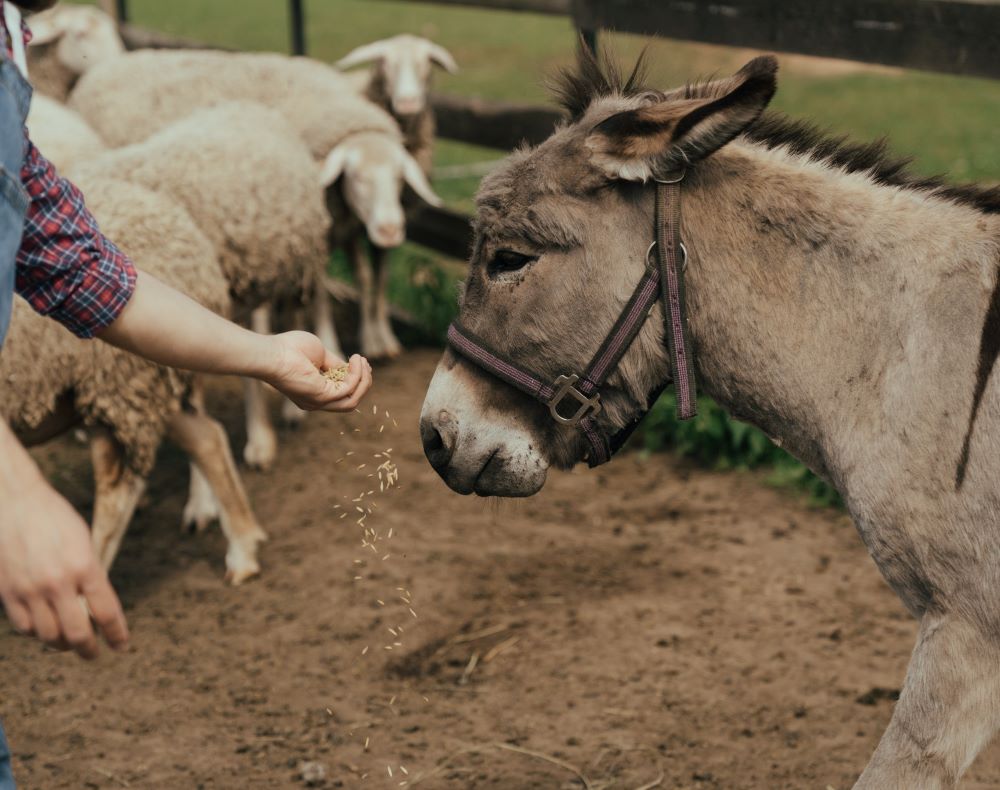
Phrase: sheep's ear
(442,57)
(415,177)
(366,53)
(684,126)
(334,165)
(47,27)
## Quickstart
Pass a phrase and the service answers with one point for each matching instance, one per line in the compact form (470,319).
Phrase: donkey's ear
(684,126)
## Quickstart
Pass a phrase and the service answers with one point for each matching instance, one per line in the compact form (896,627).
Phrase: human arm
(68,270)
(49,575)
(165,326)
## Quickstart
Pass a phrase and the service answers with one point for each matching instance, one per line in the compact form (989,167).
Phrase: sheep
(253,188)
(51,380)
(61,134)
(400,83)
(67,41)
(365,166)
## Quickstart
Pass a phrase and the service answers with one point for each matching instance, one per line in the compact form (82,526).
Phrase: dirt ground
(648,621)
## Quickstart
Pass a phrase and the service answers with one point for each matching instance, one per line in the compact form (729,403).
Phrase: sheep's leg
(262,441)
(391,346)
(371,340)
(326,330)
(948,710)
(202,508)
(292,415)
(205,441)
(117,492)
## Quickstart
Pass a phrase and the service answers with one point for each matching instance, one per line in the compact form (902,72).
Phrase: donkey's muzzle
(439,434)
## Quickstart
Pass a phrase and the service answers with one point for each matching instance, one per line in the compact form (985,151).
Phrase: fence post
(117,9)
(296,11)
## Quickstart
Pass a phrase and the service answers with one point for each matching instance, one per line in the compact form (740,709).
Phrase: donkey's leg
(390,344)
(205,441)
(370,339)
(117,492)
(202,508)
(948,710)
(262,441)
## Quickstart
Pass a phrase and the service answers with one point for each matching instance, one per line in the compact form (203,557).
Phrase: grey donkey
(846,307)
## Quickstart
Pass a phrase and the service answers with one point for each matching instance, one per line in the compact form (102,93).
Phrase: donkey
(846,307)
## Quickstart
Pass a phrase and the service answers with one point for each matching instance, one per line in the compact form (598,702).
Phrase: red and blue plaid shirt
(66,268)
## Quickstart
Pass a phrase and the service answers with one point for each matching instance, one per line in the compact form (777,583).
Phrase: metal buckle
(684,255)
(588,406)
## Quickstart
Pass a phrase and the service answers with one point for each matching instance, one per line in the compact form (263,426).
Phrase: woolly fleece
(132,397)
(249,183)
(129,98)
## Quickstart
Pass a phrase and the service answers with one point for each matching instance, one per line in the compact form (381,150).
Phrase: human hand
(295,373)
(49,575)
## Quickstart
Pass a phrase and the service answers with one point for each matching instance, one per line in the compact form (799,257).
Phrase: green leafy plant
(715,439)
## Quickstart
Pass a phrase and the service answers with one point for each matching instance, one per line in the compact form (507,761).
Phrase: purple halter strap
(665,281)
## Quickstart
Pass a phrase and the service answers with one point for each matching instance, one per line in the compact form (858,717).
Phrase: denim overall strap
(6,775)
(15,96)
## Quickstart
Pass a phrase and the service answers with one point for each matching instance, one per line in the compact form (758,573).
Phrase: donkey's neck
(817,298)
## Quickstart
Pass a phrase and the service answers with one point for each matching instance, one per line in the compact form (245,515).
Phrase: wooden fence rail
(952,36)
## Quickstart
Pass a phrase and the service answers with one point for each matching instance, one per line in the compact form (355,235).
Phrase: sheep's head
(83,36)
(375,168)
(403,64)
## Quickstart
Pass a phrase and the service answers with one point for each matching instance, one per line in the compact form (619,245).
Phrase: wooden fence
(950,36)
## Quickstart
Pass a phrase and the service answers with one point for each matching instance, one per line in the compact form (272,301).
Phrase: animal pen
(626,629)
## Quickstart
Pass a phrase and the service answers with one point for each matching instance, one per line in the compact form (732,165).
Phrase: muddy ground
(648,621)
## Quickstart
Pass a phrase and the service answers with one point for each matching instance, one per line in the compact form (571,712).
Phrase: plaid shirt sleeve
(66,268)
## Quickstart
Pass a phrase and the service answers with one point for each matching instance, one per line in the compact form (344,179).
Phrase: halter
(582,392)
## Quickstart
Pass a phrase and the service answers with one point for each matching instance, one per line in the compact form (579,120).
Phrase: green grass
(948,124)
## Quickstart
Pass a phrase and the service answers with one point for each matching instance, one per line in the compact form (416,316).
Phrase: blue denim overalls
(15,95)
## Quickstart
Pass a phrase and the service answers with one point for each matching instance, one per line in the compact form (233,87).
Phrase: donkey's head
(561,239)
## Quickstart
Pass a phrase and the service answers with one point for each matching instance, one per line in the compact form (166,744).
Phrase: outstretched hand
(299,361)
(51,583)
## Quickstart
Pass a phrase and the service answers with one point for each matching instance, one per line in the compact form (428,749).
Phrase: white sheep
(61,134)
(400,83)
(365,164)
(67,41)
(253,188)
(51,380)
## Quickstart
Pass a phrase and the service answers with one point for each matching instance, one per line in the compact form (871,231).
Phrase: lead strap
(668,245)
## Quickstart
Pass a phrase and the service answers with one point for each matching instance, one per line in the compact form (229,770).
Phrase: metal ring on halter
(677,179)
(684,255)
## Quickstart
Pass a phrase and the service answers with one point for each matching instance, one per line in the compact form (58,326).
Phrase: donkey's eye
(508,261)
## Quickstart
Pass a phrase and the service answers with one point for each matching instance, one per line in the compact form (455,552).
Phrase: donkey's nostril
(438,436)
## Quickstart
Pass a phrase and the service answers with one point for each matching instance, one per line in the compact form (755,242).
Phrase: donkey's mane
(576,89)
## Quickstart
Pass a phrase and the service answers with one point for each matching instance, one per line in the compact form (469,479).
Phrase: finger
(331,360)
(74,622)
(44,621)
(343,390)
(351,403)
(19,616)
(105,609)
